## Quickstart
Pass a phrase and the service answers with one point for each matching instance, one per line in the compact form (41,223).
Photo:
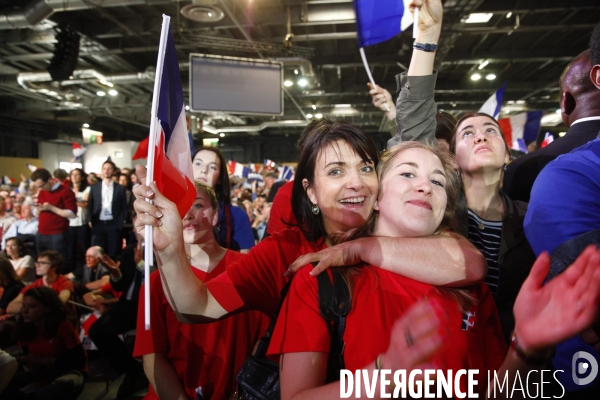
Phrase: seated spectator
(17,207)
(259,225)
(8,200)
(22,262)
(10,284)
(102,299)
(27,225)
(91,276)
(6,219)
(8,368)
(48,265)
(54,365)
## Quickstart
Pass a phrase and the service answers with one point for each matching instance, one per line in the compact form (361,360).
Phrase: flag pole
(148,250)
(415,22)
(364,60)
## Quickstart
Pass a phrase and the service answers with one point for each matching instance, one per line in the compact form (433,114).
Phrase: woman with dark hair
(233,230)
(10,283)
(334,191)
(79,230)
(53,357)
(22,262)
(417,197)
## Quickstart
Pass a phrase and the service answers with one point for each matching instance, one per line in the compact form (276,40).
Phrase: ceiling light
(561,134)
(314,107)
(222,134)
(113,92)
(288,83)
(318,116)
(309,116)
(187,108)
(509,14)
(106,83)
(520,101)
(478,18)
(86,125)
(193,117)
(100,93)
(302,82)
(475,77)
(209,14)
(490,77)
(483,64)
(296,71)
(343,105)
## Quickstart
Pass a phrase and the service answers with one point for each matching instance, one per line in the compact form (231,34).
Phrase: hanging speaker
(66,53)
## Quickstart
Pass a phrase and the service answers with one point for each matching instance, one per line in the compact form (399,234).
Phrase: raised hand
(381,98)
(430,18)
(564,307)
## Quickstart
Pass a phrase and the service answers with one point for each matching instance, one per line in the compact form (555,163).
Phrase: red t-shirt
(61,283)
(281,210)
(50,223)
(379,298)
(66,339)
(207,355)
(255,281)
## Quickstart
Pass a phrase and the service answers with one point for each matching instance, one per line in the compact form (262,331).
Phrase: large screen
(235,85)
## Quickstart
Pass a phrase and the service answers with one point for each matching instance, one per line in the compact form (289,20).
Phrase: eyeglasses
(42,263)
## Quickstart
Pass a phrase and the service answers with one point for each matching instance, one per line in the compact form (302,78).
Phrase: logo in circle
(582,367)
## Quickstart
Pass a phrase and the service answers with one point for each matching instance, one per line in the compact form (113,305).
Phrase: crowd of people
(443,252)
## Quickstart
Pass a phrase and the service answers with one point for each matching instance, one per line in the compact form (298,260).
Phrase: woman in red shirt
(342,200)
(53,360)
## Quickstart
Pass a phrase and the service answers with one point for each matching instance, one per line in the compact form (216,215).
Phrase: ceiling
(119,40)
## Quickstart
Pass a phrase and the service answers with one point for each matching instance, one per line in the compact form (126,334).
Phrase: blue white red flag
(548,138)
(172,156)
(286,173)
(380,20)
(7,180)
(524,126)
(238,169)
(255,167)
(493,104)
(269,165)
(78,151)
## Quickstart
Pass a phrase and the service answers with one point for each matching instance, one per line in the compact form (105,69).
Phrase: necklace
(481,225)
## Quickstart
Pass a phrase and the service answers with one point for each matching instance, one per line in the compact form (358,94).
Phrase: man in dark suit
(580,107)
(107,208)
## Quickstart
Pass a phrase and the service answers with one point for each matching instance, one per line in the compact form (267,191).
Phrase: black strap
(334,305)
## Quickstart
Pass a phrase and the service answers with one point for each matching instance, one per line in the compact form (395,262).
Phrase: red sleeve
(70,201)
(68,335)
(256,280)
(26,288)
(300,326)
(64,284)
(156,338)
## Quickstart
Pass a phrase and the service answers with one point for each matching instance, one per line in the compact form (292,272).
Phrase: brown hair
(57,312)
(473,115)
(8,275)
(222,187)
(56,260)
(208,191)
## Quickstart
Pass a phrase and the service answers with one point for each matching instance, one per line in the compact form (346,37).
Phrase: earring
(315,209)
(504,167)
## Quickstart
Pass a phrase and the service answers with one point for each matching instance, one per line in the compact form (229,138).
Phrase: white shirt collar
(585,120)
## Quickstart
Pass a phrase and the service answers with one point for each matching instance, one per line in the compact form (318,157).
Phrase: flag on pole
(255,167)
(169,153)
(521,126)
(269,165)
(493,104)
(173,159)
(78,151)
(380,20)
(548,138)
(31,167)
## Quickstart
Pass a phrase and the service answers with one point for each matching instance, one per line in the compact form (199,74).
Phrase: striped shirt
(487,241)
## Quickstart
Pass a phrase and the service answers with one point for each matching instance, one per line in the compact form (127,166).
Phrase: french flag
(238,169)
(380,20)
(269,165)
(255,167)
(142,149)
(172,154)
(524,126)
(7,180)
(78,151)
(493,104)
(31,167)
(548,138)
(286,173)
